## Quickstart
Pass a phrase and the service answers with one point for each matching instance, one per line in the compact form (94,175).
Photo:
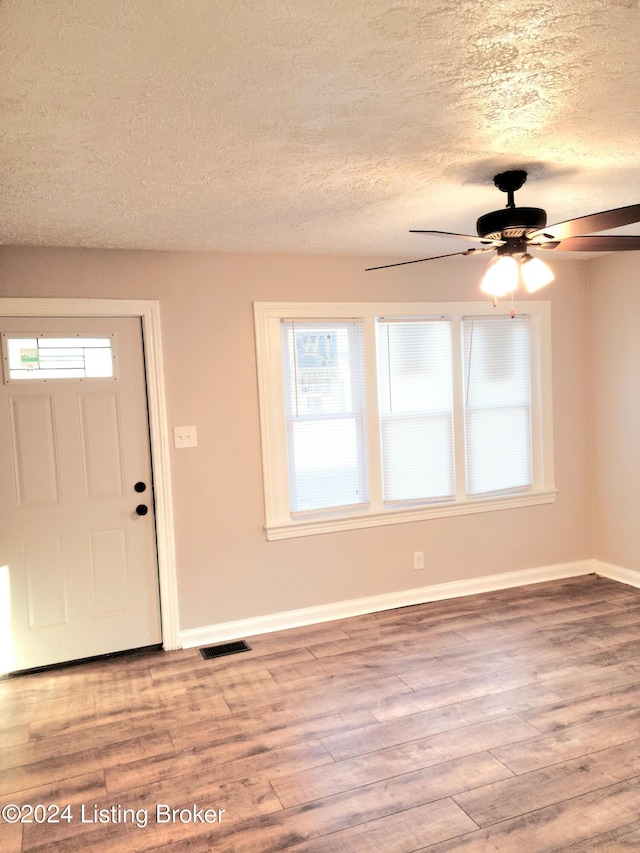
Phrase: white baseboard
(617,573)
(225,631)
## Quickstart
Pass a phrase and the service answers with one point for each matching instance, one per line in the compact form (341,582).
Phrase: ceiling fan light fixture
(535,273)
(511,231)
(501,276)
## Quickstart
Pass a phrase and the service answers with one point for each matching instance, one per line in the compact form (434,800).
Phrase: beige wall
(615,399)
(226,568)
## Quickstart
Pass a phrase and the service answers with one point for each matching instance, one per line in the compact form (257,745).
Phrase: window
(415,403)
(379,414)
(324,403)
(497,403)
(44,357)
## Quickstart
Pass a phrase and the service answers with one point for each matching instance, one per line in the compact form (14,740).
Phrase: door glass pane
(41,358)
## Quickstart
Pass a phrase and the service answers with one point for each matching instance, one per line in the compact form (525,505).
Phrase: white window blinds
(325,414)
(416,409)
(497,391)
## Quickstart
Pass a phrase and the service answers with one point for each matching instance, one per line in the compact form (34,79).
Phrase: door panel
(100,432)
(80,565)
(46,587)
(35,457)
(110,567)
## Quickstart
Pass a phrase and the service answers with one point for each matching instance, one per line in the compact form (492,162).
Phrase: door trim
(149,313)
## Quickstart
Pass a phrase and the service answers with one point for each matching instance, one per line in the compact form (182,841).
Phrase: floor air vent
(223,649)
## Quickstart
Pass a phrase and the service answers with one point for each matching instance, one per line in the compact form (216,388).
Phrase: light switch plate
(185,436)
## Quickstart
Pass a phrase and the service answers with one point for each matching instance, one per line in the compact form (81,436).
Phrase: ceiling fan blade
(435,258)
(582,225)
(459,236)
(612,243)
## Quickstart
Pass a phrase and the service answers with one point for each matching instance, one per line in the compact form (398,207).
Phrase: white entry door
(78,558)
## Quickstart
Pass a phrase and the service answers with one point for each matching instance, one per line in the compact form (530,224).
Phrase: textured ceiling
(327,126)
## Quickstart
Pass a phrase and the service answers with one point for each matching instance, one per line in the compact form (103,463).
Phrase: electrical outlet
(185,436)
(418,560)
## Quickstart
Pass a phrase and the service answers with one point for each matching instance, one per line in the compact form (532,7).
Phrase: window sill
(331,524)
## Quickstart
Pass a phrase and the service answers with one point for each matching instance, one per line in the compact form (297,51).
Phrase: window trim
(279,521)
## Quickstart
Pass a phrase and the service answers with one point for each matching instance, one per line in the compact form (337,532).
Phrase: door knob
(140,487)
(142,509)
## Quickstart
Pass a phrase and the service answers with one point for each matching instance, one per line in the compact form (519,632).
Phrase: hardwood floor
(508,721)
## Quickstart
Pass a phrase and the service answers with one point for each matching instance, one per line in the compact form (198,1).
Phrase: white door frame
(149,313)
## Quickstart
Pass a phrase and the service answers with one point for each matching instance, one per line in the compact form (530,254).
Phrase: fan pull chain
(512,312)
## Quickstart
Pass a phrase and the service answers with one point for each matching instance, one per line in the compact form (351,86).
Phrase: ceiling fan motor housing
(511,222)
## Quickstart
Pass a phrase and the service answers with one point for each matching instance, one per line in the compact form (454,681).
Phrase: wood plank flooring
(507,722)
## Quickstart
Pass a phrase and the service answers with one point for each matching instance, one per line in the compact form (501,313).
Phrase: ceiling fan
(512,232)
